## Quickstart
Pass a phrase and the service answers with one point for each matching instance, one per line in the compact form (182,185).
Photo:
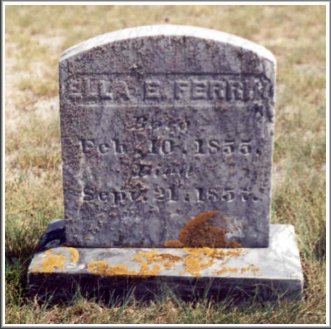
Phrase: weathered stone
(262,273)
(162,124)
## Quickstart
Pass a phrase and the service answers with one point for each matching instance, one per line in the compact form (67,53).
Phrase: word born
(168,194)
(168,146)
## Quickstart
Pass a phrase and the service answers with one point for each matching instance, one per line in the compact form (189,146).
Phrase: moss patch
(200,232)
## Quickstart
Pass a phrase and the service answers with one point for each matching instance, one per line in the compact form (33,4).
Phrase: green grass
(35,38)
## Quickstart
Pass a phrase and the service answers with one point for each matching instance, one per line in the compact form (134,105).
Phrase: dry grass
(35,38)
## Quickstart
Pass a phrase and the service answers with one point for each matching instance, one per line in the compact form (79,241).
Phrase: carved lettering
(161,147)
(199,90)
(115,89)
(152,90)
(219,194)
(87,88)
(167,146)
(170,193)
(119,147)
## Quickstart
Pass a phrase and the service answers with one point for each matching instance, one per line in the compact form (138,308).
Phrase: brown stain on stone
(200,232)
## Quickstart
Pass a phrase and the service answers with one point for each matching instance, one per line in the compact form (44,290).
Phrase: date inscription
(118,197)
(169,146)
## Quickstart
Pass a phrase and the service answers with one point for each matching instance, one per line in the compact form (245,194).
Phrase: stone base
(264,273)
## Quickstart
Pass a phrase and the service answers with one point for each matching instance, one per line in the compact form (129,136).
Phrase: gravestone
(161,126)
(167,149)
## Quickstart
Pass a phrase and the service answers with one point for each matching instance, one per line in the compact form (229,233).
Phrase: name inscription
(116,89)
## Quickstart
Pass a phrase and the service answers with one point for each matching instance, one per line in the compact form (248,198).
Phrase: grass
(35,38)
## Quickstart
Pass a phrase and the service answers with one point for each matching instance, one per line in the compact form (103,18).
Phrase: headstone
(161,125)
(167,148)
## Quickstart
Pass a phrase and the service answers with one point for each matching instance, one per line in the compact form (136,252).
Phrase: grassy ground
(35,38)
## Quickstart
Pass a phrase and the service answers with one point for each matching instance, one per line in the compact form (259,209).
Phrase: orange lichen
(151,263)
(168,260)
(250,268)
(220,254)
(173,244)
(50,263)
(102,268)
(195,264)
(200,232)
(198,259)
(55,260)
(98,267)
(148,257)
(74,254)
(227,269)
(147,270)
(214,253)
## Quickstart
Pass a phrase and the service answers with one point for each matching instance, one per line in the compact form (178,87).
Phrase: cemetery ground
(35,39)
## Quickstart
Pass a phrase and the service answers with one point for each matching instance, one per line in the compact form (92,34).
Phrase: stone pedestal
(267,273)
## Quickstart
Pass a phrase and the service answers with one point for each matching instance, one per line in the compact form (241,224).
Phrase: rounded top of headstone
(167,31)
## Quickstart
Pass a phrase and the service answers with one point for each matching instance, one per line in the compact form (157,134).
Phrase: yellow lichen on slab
(227,269)
(194,264)
(73,253)
(147,258)
(199,259)
(148,270)
(55,260)
(151,263)
(250,268)
(168,260)
(214,253)
(101,267)
(50,263)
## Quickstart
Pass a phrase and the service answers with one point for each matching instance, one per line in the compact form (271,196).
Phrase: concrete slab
(269,273)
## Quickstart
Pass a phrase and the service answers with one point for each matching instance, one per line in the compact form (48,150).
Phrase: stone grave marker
(167,150)
(160,126)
